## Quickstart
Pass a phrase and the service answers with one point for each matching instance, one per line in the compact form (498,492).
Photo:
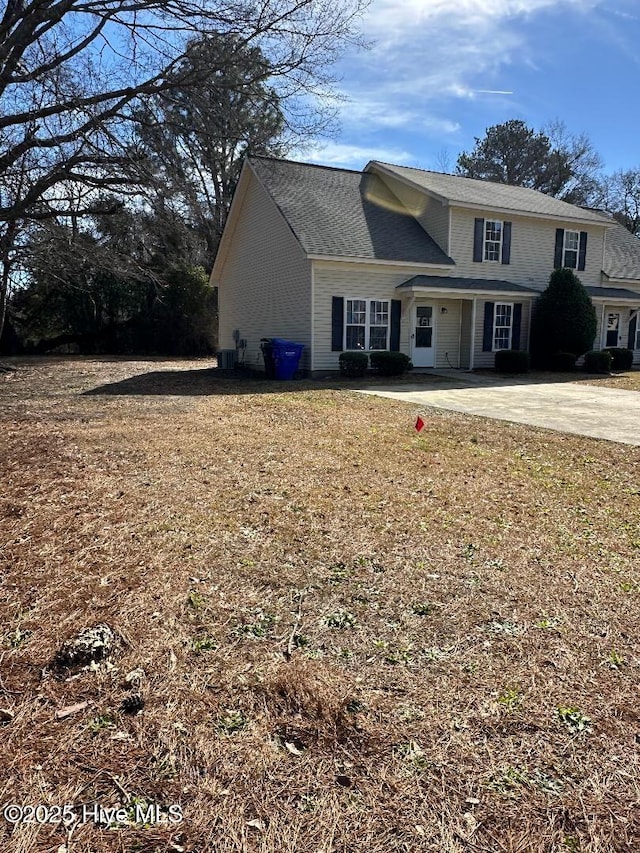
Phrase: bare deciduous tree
(620,196)
(72,70)
(194,138)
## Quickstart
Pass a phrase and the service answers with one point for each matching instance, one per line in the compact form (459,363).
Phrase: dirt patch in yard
(342,635)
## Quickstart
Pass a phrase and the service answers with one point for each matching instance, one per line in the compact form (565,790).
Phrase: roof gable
(342,213)
(470,192)
(621,254)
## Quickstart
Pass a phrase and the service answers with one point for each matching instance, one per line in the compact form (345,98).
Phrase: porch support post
(603,339)
(411,330)
(472,353)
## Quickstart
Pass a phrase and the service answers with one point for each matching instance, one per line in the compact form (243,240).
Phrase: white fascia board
(615,300)
(465,294)
(231,223)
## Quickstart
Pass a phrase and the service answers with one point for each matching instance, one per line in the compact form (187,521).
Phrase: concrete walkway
(588,410)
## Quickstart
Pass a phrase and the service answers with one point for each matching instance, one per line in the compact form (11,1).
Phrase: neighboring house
(441,267)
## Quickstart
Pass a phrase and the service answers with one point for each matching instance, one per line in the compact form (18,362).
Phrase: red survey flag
(419,424)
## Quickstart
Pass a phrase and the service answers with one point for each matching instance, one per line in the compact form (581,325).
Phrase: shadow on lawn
(211,381)
(196,383)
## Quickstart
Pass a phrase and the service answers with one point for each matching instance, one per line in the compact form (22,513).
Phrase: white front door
(422,336)
(612,329)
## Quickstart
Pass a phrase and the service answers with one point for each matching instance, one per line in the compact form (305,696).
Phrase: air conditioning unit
(227,359)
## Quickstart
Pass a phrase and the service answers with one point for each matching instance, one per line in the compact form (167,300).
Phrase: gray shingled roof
(613,293)
(486,194)
(622,254)
(344,213)
(443,282)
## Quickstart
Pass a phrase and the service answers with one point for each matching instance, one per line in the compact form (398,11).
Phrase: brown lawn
(349,637)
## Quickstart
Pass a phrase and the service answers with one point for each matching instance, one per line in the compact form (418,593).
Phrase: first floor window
(502,325)
(570,249)
(492,240)
(356,323)
(367,324)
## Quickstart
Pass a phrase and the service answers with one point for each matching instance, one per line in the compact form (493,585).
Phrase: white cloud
(429,54)
(389,16)
(351,156)
(366,110)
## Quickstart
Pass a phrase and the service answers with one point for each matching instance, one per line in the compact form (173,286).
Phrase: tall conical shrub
(564,319)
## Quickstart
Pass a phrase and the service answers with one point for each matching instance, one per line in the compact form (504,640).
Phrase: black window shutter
(557,260)
(633,325)
(487,337)
(582,254)
(337,323)
(517,325)
(394,335)
(478,240)
(506,243)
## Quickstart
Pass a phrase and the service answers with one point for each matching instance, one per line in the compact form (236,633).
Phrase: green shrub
(387,363)
(562,361)
(597,361)
(353,363)
(512,361)
(564,319)
(621,357)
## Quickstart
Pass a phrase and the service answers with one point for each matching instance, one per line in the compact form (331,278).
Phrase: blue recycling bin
(286,357)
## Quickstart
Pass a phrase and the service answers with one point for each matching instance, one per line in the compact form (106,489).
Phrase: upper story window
(570,249)
(367,324)
(492,239)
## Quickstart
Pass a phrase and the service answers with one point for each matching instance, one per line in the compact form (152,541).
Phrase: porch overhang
(614,296)
(449,287)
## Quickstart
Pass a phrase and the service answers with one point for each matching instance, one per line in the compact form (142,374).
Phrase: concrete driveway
(589,410)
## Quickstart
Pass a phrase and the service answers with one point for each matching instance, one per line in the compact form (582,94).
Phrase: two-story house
(442,268)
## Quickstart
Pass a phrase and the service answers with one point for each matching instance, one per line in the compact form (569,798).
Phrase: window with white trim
(570,249)
(367,324)
(502,325)
(492,239)
(637,340)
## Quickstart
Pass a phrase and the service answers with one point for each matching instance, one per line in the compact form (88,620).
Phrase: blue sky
(440,72)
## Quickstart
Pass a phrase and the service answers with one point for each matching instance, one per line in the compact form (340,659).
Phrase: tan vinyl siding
(487,359)
(447,332)
(532,250)
(363,281)
(430,213)
(265,283)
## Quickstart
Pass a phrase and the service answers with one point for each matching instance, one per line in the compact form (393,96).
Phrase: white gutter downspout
(460,334)
(473,334)
(312,357)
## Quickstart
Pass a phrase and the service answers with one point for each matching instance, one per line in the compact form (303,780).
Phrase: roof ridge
(418,169)
(476,180)
(304,163)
